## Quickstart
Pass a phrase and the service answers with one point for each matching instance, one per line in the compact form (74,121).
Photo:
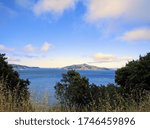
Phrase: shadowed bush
(134,78)
(13,90)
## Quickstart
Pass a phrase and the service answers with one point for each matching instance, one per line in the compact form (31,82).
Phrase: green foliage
(106,98)
(134,78)
(75,93)
(11,84)
(73,90)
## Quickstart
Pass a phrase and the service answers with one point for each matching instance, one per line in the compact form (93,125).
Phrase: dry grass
(7,103)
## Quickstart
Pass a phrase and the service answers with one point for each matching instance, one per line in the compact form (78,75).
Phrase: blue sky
(56,33)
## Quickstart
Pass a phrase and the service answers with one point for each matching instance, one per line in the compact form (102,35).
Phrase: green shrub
(134,78)
(73,91)
(13,89)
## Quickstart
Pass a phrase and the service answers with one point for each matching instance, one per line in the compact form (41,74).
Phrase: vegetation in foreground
(74,92)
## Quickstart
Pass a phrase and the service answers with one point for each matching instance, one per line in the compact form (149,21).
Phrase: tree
(134,78)
(73,90)
(11,84)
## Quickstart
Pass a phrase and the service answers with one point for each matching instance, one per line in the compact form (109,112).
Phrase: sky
(57,33)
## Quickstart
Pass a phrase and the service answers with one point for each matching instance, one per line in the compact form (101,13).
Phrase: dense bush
(73,90)
(134,78)
(13,89)
(75,93)
(106,98)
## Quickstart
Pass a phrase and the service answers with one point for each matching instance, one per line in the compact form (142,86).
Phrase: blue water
(44,80)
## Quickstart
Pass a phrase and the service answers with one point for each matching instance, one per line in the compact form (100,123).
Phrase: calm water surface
(44,80)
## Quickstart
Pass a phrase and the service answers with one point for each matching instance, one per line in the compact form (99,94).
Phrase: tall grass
(122,105)
(109,104)
(8,103)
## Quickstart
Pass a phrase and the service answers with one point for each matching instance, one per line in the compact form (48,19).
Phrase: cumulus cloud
(52,6)
(107,58)
(137,35)
(5,49)
(30,48)
(46,46)
(129,9)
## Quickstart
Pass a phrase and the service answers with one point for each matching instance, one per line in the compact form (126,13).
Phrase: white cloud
(108,58)
(5,49)
(128,9)
(137,35)
(46,46)
(104,57)
(52,6)
(30,48)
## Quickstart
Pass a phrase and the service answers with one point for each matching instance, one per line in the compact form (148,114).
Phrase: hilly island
(84,67)
(70,67)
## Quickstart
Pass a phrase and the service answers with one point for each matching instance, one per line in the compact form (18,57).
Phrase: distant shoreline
(71,67)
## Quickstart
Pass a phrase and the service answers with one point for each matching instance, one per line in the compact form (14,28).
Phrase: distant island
(71,67)
(84,67)
(21,67)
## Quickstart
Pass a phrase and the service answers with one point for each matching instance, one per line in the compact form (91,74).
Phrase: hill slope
(83,67)
(16,66)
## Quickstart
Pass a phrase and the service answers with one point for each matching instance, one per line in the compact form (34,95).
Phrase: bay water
(43,80)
